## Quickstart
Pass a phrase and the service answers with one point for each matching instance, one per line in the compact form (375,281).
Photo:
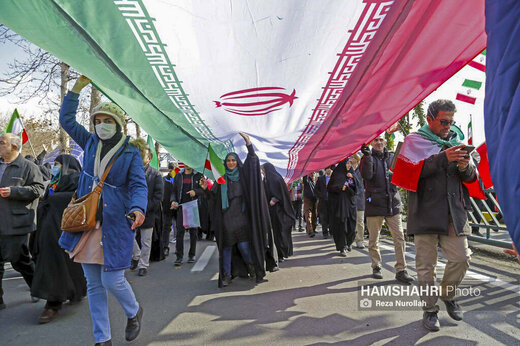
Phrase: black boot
(133,325)
(104,343)
(454,309)
(431,321)
(402,276)
(226,280)
(251,271)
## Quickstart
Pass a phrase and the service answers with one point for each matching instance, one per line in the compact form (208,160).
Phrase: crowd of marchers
(252,217)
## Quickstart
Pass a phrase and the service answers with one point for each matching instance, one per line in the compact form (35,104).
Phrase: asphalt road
(312,300)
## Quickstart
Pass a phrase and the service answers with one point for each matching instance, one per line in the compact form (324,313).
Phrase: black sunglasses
(446,122)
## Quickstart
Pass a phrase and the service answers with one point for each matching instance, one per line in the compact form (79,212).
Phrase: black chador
(240,217)
(342,190)
(280,209)
(56,278)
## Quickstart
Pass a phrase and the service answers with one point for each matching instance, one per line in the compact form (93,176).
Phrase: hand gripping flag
(215,165)
(15,126)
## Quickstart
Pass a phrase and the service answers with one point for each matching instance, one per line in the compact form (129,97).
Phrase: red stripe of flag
(477,65)
(465,98)
(483,166)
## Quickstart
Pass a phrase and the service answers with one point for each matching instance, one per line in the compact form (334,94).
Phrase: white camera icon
(365,303)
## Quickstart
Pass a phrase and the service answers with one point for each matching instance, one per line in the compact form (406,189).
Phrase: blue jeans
(243,247)
(98,283)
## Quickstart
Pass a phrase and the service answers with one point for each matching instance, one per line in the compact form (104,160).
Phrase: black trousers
(179,242)
(167,228)
(323,213)
(297,205)
(22,263)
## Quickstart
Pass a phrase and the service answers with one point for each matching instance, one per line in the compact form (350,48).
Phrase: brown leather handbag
(80,214)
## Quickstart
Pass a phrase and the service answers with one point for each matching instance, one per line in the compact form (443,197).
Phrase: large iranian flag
(309,81)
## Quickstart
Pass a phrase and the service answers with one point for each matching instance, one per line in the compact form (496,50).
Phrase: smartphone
(131,216)
(468,149)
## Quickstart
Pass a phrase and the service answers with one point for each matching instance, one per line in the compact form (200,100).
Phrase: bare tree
(137,130)
(63,91)
(125,124)
(37,75)
(95,98)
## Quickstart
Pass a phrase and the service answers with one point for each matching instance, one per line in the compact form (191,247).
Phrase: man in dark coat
(310,210)
(168,213)
(21,185)
(186,188)
(281,211)
(437,213)
(57,278)
(323,201)
(383,203)
(154,181)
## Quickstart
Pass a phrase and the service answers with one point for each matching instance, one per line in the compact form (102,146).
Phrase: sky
(8,52)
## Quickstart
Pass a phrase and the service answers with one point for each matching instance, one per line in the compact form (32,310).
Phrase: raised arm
(68,114)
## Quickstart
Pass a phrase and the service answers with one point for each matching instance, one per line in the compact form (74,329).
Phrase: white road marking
(470,274)
(204,259)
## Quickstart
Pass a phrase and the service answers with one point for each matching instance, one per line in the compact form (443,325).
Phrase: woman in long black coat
(342,189)
(56,278)
(240,218)
(280,209)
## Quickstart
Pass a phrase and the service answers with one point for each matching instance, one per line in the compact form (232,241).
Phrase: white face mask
(105,131)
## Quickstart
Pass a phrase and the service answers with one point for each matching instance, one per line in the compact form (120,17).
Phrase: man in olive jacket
(437,213)
(21,184)
(382,203)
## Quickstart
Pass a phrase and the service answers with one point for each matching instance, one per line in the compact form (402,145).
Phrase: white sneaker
(360,245)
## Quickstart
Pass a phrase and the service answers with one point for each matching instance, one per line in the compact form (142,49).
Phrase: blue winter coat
(124,191)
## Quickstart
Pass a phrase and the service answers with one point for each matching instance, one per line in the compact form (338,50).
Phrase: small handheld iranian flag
(15,126)
(479,62)
(471,87)
(215,165)
(470,131)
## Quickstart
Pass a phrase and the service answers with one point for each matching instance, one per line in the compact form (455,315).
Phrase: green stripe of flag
(472,84)
(483,52)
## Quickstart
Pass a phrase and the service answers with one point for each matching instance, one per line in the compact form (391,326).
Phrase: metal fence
(487,215)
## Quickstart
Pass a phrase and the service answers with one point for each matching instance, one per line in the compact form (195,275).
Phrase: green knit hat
(109,108)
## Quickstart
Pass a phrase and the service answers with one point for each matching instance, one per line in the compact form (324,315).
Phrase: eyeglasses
(446,122)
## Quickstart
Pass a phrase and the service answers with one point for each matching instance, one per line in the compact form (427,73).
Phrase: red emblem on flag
(255,101)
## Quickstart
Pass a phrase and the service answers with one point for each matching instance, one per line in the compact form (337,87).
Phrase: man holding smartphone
(438,202)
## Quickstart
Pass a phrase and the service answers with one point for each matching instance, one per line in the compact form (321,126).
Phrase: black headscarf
(69,173)
(339,174)
(342,202)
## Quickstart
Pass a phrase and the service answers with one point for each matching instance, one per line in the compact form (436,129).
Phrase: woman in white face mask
(106,251)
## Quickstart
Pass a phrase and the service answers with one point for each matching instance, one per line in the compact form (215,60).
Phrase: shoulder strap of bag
(107,170)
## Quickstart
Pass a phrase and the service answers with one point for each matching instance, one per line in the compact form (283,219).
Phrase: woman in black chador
(240,218)
(56,278)
(342,190)
(280,209)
